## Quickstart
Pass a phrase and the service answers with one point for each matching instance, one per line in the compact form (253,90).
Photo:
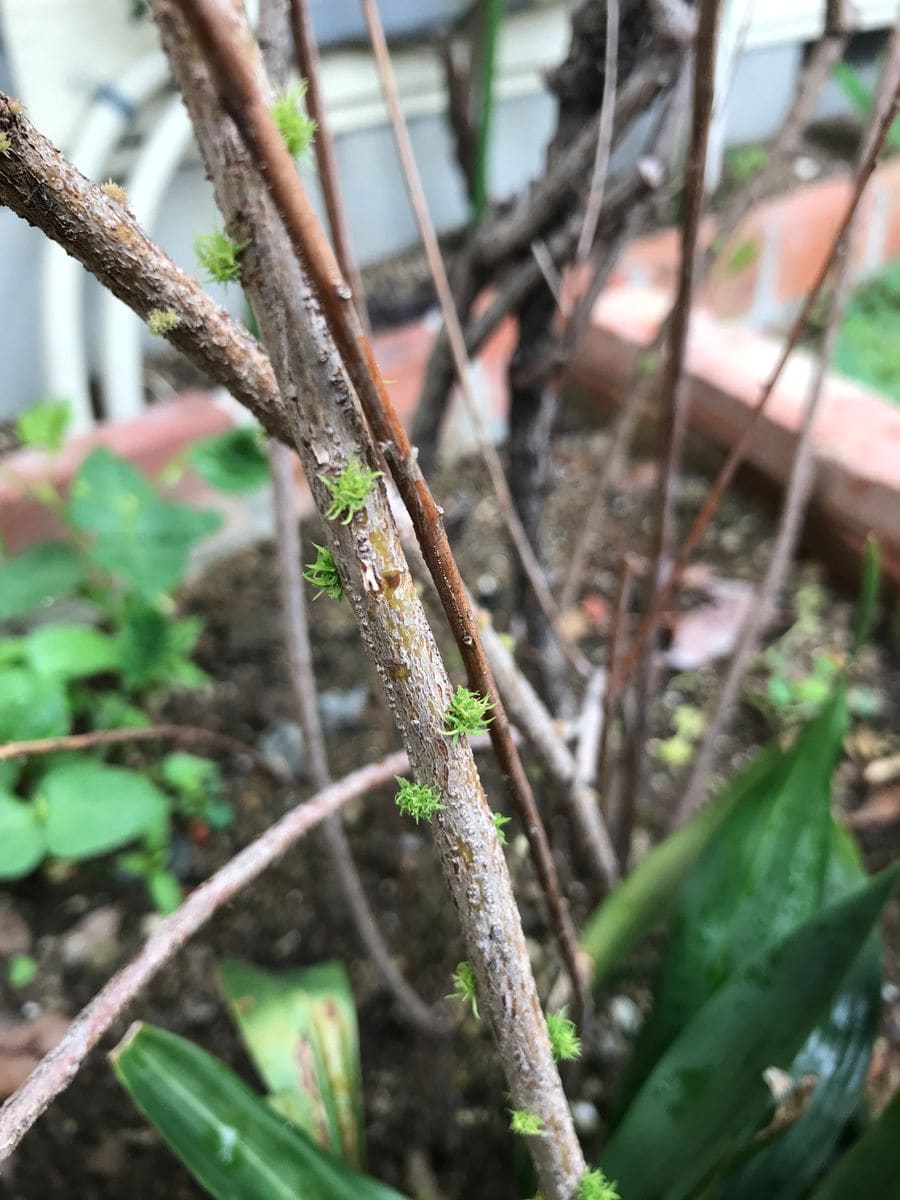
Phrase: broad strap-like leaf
(300,1029)
(707,1094)
(231,1141)
(871,1167)
(837,1053)
(761,876)
(640,901)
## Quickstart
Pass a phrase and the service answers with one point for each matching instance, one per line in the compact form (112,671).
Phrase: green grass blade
(230,1140)
(868,595)
(707,1095)
(763,875)
(300,1029)
(871,1168)
(641,901)
(837,1053)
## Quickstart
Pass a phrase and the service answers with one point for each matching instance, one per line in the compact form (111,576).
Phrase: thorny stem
(739,449)
(303,685)
(58,1068)
(328,430)
(456,338)
(219,32)
(673,389)
(800,483)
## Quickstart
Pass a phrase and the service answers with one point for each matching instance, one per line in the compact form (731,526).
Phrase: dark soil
(443,1098)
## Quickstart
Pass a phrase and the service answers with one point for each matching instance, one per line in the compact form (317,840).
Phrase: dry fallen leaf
(709,632)
(23,1045)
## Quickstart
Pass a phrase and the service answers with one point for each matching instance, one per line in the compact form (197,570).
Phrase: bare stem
(182,735)
(42,186)
(58,1068)
(328,430)
(303,684)
(736,454)
(456,338)
(674,394)
(799,488)
(323,147)
(604,135)
(221,34)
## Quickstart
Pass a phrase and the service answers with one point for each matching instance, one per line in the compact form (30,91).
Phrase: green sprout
(5,144)
(528,1124)
(464,987)
(295,127)
(564,1041)
(595,1186)
(161,321)
(466,714)
(418,801)
(218,257)
(498,820)
(349,491)
(323,574)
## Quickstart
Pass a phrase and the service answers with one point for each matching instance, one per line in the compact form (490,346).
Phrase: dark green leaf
(37,577)
(21,838)
(45,425)
(92,808)
(868,594)
(63,651)
(837,1053)
(165,891)
(763,875)
(640,901)
(232,462)
(706,1095)
(138,537)
(233,1143)
(300,1029)
(31,706)
(153,648)
(871,1169)
(851,84)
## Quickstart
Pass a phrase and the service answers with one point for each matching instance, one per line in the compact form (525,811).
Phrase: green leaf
(300,1030)
(234,1144)
(233,462)
(37,577)
(45,425)
(763,876)
(868,595)
(192,776)
(22,843)
(21,970)
(165,891)
(92,808)
(63,651)
(706,1095)
(112,711)
(851,84)
(31,706)
(641,900)
(871,1168)
(837,1053)
(138,537)
(153,646)
(744,255)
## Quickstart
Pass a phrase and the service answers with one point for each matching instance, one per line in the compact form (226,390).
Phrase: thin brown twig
(303,685)
(218,32)
(739,449)
(613,649)
(323,147)
(799,488)
(674,393)
(604,136)
(453,327)
(182,735)
(58,1068)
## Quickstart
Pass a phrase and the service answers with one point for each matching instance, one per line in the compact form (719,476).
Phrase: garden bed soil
(443,1099)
